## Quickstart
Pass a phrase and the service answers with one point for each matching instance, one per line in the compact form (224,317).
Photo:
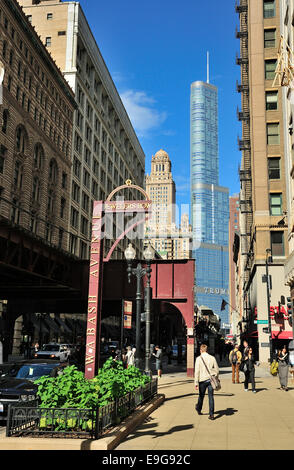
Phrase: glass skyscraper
(209,203)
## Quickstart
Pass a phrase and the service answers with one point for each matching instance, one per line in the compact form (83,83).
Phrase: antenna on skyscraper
(207,67)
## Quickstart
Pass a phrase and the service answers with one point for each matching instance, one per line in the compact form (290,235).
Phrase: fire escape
(244,144)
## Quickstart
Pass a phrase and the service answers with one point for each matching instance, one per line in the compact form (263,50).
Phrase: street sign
(265,330)
(261,322)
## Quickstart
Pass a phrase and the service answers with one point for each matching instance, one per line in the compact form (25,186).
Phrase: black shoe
(198,411)
(211,417)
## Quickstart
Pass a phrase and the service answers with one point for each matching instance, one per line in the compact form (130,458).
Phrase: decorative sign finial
(128,182)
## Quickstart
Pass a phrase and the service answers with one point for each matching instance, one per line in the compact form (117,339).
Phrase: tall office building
(209,203)
(106,151)
(161,230)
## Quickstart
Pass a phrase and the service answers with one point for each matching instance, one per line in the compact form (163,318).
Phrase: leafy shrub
(73,390)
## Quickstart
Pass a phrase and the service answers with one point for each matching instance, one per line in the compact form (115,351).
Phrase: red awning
(282,335)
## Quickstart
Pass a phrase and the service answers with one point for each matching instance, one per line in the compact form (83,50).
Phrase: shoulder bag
(214,380)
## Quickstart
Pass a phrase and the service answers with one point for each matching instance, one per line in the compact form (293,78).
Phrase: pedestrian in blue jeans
(202,380)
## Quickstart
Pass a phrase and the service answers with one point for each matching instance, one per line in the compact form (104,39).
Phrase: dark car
(14,391)
(16,381)
(32,370)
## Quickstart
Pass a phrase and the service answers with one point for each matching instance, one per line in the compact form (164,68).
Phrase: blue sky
(154,50)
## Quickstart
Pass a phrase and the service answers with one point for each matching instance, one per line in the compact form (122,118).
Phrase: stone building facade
(263,195)
(35,132)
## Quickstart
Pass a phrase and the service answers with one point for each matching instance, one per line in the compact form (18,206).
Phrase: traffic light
(289,309)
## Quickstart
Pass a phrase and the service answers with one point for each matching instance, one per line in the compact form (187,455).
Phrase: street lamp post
(268,260)
(140,272)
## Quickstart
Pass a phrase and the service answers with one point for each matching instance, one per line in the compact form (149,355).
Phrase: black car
(33,369)
(13,391)
(17,382)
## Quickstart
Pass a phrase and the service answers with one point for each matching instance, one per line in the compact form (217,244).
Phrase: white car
(53,351)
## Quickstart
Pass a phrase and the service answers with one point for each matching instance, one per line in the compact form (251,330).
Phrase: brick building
(35,132)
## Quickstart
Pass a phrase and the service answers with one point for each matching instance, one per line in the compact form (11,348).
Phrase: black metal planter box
(30,420)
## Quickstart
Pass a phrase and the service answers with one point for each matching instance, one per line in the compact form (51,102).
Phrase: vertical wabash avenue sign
(95,291)
(100,208)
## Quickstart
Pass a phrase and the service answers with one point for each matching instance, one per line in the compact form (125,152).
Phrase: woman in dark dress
(249,370)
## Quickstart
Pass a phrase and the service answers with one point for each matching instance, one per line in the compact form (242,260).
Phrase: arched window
(53,171)
(21,139)
(5,120)
(38,156)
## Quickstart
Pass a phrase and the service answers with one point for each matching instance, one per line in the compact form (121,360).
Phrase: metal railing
(33,421)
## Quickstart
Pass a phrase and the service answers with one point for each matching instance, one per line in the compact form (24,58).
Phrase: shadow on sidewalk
(141,431)
(226,412)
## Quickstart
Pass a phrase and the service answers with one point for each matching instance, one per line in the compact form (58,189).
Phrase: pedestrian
(245,348)
(283,370)
(124,358)
(235,358)
(130,357)
(202,379)
(249,370)
(158,360)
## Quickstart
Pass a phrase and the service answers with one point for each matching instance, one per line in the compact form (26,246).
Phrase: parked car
(53,351)
(13,390)
(33,369)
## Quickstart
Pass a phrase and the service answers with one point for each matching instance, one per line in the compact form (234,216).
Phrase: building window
(48,41)
(269,38)
(75,192)
(276,204)
(38,156)
(270,68)
(53,170)
(29,17)
(36,189)
(62,207)
(50,201)
(84,225)
(64,180)
(72,244)
(5,121)
(20,140)
(3,151)
(83,250)
(277,243)
(273,133)
(17,177)
(49,16)
(74,218)
(271,100)
(269,8)
(274,168)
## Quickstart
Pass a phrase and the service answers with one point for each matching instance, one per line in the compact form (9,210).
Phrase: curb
(105,443)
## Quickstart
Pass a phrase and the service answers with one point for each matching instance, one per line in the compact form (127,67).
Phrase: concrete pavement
(244,420)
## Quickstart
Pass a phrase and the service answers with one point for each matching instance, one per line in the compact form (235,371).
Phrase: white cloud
(142,112)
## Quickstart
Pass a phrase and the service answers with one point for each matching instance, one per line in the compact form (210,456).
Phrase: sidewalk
(261,421)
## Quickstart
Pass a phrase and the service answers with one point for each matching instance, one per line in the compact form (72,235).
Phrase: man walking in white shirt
(202,379)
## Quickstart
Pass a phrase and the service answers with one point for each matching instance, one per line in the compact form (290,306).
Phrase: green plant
(73,390)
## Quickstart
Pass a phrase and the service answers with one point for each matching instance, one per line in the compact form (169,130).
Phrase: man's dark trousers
(202,389)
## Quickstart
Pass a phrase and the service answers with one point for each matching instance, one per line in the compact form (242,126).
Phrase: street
(243,420)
